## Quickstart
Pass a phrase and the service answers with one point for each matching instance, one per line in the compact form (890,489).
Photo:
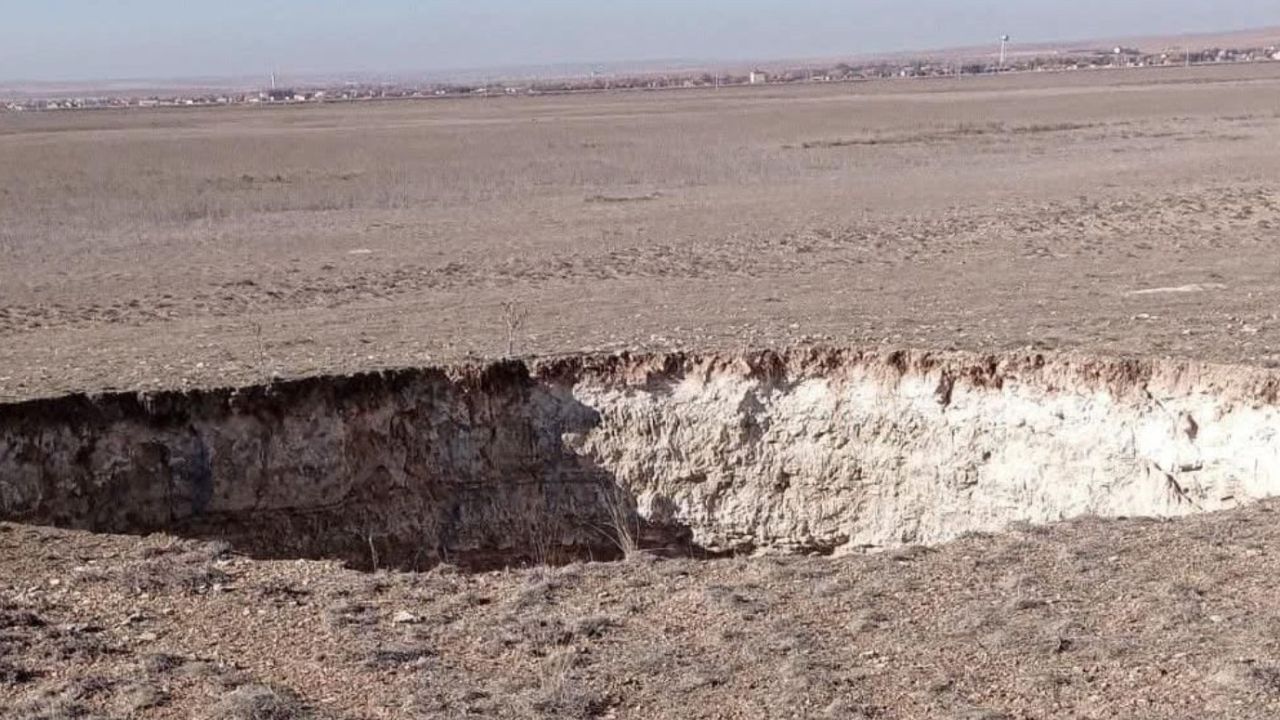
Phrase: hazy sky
(92,39)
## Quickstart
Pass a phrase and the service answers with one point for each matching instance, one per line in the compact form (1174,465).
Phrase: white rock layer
(864,458)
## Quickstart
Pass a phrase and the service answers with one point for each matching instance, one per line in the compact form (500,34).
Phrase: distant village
(1119,57)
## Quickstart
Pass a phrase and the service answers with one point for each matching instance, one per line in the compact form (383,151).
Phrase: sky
(56,40)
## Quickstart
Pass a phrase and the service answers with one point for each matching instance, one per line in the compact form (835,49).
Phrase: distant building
(758,77)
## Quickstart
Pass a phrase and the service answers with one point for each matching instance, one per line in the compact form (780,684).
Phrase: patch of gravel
(1127,618)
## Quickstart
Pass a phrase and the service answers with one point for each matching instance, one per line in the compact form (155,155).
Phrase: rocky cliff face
(810,451)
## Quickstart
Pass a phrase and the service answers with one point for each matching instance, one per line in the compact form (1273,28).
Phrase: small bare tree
(513,316)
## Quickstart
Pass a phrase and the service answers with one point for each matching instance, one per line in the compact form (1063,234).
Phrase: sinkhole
(815,451)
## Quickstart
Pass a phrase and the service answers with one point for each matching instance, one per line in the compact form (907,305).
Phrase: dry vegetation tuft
(258,702)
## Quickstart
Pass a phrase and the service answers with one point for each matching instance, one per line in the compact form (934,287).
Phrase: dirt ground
(1119,212)
(1113,212)
(1090,619)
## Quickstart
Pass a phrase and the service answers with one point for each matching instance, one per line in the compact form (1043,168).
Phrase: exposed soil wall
(809,451)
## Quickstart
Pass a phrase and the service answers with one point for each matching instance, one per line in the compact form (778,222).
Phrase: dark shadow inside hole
(406,469)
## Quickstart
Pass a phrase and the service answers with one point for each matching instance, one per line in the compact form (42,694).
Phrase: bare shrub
(14,618)
(545,544)
(177,568)
(51,708)
(847,709)
(746,599)
(162,663)
(347,614)
(1266,677)
(389,658)
(81,643)
(514,315)
(62,703)
(258,702)
(224,676)
(622,522)
(623,198)
(541,586)
(142,696)
(538,633)
(14,675)
(593,626)
(282,590)
(260,351)
(561,695)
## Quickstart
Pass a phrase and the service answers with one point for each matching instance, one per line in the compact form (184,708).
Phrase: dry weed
(258,702)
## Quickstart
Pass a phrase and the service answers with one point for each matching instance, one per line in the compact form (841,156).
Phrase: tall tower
(1004,44)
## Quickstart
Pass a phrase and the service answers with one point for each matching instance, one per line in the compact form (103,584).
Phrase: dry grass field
(175,248)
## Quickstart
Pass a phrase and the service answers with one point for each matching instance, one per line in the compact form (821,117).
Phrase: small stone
(148,637)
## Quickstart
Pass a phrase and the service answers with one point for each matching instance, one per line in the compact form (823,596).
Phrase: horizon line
(671,63)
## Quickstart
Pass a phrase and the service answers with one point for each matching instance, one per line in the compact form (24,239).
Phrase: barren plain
(772,343)
(1091,619)
(1118,212)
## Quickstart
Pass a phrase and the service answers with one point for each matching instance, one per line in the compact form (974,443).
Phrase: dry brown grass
(955,132)
(113,177)
(170,248)
(1085,619)
(120,178)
